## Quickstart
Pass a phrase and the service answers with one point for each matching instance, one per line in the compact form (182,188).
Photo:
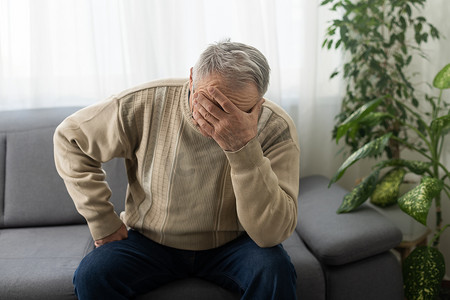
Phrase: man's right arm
(82,143)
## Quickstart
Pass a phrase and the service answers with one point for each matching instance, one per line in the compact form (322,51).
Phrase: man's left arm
(266,188)
(265,184)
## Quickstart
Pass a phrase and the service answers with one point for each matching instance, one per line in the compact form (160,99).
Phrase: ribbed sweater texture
(184,191)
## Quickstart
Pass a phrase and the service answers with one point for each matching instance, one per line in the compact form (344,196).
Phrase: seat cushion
(337,239)
(38,263)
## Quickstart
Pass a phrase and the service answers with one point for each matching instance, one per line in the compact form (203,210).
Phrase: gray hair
(236,63)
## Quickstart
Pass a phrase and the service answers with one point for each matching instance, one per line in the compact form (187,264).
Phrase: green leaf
(417,202)
(408,60)
(434,32)
(330,43)
(334,74)
(421,19)
(423,271)
(404,49)
(402,23)
(386,191)
(359,194)
(325,2)
(415,166)
(439,124)
(374,118)
(372,148)
(408,10)
(442,79)
(355,117)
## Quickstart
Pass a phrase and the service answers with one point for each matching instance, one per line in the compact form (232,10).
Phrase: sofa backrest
(31,191)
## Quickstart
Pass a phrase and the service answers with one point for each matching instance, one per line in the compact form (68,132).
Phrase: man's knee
(90,272)
(275,263)
(272,274)
(96,272)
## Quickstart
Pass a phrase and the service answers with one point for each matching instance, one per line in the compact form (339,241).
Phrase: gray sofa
(43,239)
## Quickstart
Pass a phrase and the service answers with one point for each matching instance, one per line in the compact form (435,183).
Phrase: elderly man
(213,173)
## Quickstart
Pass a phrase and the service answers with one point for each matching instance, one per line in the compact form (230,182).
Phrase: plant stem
(436,111)
(424,138)
(437,236)
(438,219)
(421,152)
(419,134)
(435,116)
(445,190)
(441,146)
(411,147)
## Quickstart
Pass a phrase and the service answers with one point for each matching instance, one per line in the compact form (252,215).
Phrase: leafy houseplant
(380,114)
(380,38)
(424,268)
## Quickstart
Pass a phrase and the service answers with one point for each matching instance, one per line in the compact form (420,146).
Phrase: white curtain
(77,52)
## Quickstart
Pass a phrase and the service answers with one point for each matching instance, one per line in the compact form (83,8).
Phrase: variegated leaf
(387,189)
(423,271)
(373,148)
(441,123)
(359,194)
(417,202)
(442,79)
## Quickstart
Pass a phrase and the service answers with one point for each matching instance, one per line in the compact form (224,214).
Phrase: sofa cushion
(31,182)
(338,239)
(374,278)
(30,177)
(38,263)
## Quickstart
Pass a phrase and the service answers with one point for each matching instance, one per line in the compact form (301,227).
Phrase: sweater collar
(185,107)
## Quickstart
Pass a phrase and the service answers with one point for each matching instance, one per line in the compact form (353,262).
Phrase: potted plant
(424,268)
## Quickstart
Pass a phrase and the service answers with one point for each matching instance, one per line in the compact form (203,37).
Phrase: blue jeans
(124,269)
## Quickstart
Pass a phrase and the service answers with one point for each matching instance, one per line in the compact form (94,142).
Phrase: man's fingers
(222,100)
(120,234)
(206,115)
(209,106)
(205,128)
(257,108)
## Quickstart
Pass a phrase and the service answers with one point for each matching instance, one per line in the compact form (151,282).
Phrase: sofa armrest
(337,239)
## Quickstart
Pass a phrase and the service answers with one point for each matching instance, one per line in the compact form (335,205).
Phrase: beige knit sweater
(184,191)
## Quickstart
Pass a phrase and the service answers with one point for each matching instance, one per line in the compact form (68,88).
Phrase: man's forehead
(243,95)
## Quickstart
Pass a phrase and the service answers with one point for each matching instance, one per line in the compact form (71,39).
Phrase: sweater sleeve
(82,142)
(266,188)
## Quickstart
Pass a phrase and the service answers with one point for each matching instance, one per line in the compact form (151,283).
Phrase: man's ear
(190,78)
